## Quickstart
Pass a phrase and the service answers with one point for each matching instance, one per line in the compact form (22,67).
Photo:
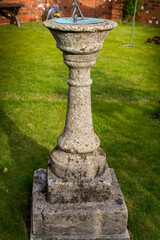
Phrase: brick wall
(32,11)
(89,8)
(149,12)
(117,9)
(109,9)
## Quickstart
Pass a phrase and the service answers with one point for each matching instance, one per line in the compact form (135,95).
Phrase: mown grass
(126,115)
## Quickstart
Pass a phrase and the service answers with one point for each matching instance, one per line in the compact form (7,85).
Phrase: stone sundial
(78,197)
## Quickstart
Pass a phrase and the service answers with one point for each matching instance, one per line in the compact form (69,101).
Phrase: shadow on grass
(23,158)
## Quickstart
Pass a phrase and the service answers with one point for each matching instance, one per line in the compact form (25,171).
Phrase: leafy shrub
(128,8)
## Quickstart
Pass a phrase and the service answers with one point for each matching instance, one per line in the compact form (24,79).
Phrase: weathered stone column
(79,196)
(78,135)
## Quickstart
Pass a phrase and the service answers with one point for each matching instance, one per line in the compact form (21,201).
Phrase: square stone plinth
(72,191)
(90,220)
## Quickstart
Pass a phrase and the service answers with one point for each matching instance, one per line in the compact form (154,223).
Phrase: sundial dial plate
(79,20)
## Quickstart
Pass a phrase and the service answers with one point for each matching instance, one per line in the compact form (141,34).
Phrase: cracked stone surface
(90,220)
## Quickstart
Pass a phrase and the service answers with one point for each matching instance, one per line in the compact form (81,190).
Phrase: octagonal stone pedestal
(78,197)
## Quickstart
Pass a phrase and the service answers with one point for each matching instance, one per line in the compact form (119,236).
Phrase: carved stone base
(62,191)
(79,166)
(91,220)
(124,236)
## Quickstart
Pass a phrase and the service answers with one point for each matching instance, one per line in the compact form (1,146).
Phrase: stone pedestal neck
(78,135)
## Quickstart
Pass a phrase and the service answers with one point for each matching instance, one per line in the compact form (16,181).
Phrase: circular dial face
(79,20)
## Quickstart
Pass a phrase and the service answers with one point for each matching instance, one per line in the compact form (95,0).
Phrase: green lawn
(126,115)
